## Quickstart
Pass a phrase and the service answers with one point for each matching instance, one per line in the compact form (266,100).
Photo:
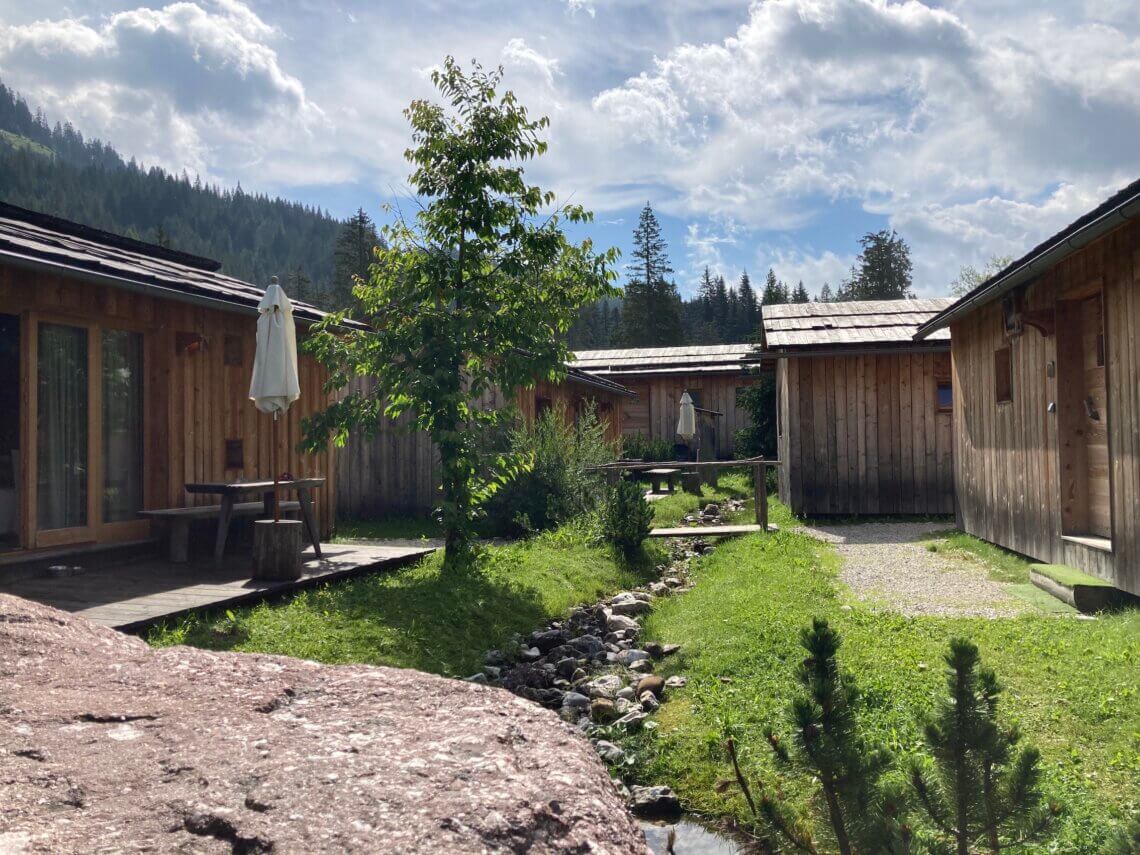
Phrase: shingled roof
(695,359)
(41,242)
(854,325)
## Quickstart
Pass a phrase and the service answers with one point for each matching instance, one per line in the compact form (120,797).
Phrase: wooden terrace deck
(135,594)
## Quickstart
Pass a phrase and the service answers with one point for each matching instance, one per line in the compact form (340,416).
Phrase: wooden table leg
(224,518)
(307,515)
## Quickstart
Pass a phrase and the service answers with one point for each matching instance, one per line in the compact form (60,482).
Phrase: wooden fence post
(760,488)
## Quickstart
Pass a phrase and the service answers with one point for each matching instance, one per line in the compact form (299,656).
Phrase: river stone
(547,640)
(615,622)
(654,802)
(177,749)
(659,589)
(630,605)
(602,710)
(628,657)
(493,672)
(588,645)
(575,700)
(530,654)
(649,701)
(609,752)
(642,666)
(651,683)
(627,693)
(632,720)
(675,682)
(624,705)
(479,678)
(566,667)
(604,687)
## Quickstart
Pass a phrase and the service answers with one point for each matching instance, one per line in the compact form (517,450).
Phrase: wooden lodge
(658,376)
(863,410)
(124,375)
(396,472)
(1046,361)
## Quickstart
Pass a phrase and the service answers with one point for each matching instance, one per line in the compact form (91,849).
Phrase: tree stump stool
(277,549)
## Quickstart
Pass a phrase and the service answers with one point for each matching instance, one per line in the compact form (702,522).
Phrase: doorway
(9,432)
(1082,428)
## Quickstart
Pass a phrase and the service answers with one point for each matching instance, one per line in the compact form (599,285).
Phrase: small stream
(691,838)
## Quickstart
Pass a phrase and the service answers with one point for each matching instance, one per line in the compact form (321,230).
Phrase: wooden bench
(178,520)
(666,474)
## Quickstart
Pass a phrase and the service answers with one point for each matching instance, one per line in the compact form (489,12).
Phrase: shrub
(759,401)
(626,516)
(638,446)
(556,487)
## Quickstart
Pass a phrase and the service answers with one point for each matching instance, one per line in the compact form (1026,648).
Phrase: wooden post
(760,488)
(277,549)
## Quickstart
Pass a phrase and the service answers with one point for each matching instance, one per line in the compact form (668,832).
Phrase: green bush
(556,488)
(759,401)
(638,446)
(626,516)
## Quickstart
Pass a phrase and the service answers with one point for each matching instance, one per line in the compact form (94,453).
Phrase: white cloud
(517,53)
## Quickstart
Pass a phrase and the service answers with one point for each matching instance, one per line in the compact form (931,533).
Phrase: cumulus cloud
(517,53)
(177,79)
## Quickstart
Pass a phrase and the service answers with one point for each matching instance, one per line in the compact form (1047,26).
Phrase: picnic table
(230,491)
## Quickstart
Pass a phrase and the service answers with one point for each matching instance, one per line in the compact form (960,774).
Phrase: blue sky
(765,134)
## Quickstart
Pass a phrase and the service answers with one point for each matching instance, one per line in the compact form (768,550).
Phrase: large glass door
(89,433)
(63,434)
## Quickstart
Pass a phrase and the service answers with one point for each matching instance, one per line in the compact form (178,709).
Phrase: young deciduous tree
(477,292)
(982,790)
(969,277)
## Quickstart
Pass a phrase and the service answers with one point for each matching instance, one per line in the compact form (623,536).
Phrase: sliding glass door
(89,433)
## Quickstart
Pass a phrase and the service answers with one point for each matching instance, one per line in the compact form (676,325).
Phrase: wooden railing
(758,465)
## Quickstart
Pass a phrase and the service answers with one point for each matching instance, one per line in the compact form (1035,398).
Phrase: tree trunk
(836,814)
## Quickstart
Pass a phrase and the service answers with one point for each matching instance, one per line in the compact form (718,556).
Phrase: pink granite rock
(108,745)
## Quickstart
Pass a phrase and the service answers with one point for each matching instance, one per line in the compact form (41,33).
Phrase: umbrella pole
(276,475)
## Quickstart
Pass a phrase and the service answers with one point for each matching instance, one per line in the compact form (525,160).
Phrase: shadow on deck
(137,593)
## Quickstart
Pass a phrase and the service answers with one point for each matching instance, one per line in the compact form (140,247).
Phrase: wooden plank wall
(862,434)
(396,472)
(193,402)
(1008,473)
(655,411)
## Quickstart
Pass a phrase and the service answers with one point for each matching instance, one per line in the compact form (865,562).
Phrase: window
(1003,375)
(944,396)
(122,425)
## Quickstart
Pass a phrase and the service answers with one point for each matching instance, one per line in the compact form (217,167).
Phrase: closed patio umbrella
(274,385)
(687,422)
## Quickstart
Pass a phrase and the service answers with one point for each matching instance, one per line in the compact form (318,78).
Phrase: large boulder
(108,744)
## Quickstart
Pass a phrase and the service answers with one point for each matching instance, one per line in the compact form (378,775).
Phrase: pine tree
(882,271)
(353,255)
(981,789)
(775,292)
(825,295)
(748,308)
(863,813)
(651,307)
(800,294)
(298,285)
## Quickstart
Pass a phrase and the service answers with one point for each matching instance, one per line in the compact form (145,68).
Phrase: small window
(944,392)
(1003,375)
(235,454)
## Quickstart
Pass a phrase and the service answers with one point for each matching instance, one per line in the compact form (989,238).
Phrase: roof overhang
(926,346)
(1039,260)
(577,375)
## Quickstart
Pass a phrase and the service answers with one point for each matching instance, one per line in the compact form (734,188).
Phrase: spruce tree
(800,294)
(354,254)
(748,308)
(651,306)
(882,270)
(981,790)
(825,295)
(775,292)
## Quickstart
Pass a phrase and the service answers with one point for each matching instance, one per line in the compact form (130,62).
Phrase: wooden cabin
(1046,361)
(863,410)
(711,374)
(124,374)
(396,472)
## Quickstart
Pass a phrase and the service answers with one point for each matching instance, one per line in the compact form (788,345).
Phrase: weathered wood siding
(396,472)
(1010,481)
(655,411)
(862,434)
(193,402)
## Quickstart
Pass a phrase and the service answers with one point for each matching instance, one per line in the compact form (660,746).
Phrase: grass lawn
(415,618)
(400,528)
(1073,685)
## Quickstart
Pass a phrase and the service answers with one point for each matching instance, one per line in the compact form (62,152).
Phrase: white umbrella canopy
(274,385)
(687,423)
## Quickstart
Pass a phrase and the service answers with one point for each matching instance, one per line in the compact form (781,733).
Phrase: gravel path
(885,563)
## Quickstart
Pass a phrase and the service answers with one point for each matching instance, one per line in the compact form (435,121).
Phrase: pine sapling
(864,814)
(982,788)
